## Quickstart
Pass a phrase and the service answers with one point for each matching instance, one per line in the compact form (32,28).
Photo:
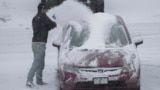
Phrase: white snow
(78,27)
(99,25)
(16,34)
(70,10)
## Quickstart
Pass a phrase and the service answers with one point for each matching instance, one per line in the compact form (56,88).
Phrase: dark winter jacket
(41,24)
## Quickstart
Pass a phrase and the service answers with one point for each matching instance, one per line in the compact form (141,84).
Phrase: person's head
(43,8)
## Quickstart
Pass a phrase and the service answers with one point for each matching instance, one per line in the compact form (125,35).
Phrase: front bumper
(84,79)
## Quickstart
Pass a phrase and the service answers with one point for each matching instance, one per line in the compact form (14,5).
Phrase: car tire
(61,88)
(137,88)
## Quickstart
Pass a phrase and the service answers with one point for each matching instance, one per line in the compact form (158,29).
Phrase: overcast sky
(135,10)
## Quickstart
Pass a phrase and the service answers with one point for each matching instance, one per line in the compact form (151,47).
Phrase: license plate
(100,80)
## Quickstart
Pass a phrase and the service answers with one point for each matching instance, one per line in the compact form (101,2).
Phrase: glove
(54,17)
(55,24)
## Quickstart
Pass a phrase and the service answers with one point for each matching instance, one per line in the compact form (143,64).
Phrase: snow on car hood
(111,57)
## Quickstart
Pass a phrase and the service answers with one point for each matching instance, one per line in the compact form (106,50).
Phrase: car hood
(96,58)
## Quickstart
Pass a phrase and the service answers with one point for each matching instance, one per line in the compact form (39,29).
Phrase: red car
(99,54)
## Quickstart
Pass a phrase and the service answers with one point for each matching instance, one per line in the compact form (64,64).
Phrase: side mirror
(56,45)
(138,40)
(138,43)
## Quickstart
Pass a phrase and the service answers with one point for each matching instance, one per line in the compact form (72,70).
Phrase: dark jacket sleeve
(49,23)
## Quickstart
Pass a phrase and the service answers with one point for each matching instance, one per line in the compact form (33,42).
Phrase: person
(97,5)
(43,1)
(46,2)
(41,25)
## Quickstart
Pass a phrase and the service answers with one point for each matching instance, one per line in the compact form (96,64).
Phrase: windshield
(77,39)
(115,38)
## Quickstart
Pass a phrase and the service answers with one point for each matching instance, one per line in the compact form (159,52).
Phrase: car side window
(73,38)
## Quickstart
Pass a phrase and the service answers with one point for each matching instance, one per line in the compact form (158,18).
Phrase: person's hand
(55,24)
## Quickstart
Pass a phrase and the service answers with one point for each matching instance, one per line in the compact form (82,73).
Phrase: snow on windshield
(69,12)
(99,25)
(104,34)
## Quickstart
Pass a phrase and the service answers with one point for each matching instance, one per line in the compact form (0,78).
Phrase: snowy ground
(149,53)
(16,55)
(16,58)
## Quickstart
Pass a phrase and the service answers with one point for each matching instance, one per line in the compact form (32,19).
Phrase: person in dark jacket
(97,5)
(41,24)
(43,1)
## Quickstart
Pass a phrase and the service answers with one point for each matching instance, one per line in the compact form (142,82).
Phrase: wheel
(61,88)
(137,88)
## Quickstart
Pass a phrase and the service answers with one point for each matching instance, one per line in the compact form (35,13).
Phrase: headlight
(128,68)
(70,68)
(125,69)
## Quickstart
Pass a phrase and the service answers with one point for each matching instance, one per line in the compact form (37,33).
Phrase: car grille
(100,70)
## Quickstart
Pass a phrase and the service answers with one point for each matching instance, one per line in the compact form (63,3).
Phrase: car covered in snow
(98,54)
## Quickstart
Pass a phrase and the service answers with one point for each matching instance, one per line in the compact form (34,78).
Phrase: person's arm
(49,23)
(36,24)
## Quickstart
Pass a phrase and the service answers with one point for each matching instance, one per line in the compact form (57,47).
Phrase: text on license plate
(100,80)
